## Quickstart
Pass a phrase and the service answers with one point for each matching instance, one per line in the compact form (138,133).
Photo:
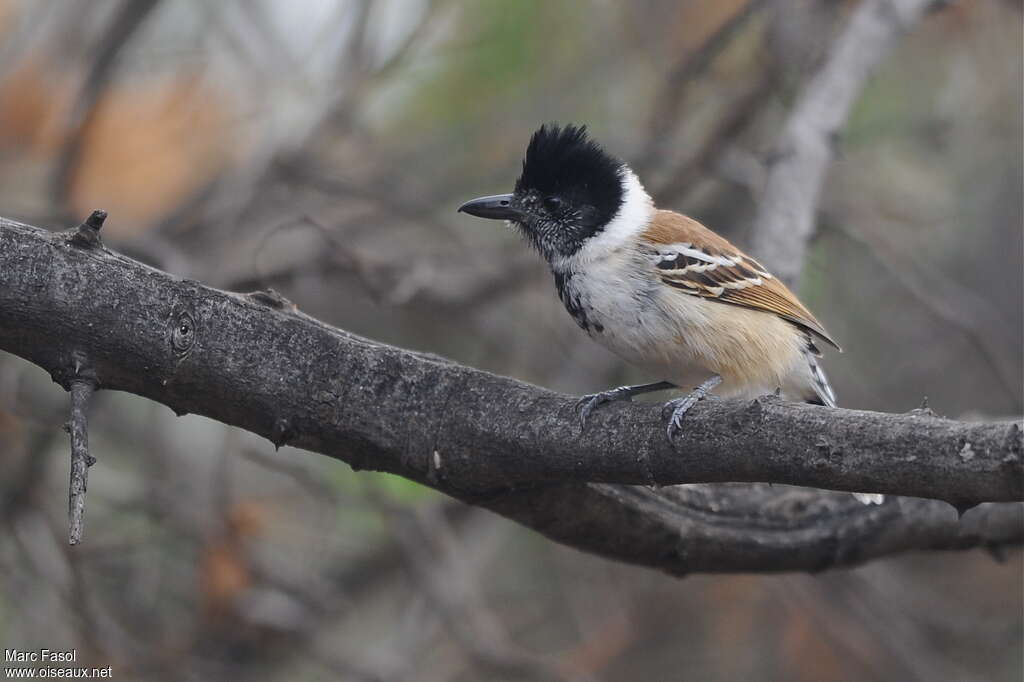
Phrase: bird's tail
(824,395)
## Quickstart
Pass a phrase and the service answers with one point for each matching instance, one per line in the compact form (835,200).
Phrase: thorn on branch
(924,410)
(82,389)
(757,407)
(283,433)
(87,235)
(273,299)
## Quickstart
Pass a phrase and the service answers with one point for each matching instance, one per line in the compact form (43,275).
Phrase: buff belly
(685,339)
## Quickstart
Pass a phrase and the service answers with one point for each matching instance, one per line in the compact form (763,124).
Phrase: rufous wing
(698,262)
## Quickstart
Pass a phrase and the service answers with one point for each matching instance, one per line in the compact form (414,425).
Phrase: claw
(680,406)
(587,403)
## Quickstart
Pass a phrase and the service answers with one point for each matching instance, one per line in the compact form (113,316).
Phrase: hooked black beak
(497,207)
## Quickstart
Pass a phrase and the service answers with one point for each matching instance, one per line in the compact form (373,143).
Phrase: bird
(657,288)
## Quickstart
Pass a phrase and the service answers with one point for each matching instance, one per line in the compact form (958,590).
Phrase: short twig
(87,234)
(81,460)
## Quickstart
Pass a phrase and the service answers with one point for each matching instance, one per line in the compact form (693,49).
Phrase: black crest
(564,161)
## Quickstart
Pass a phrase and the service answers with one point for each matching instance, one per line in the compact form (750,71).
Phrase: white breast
(617,300)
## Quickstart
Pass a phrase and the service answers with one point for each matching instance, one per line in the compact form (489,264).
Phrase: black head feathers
(564,161)
(570,190)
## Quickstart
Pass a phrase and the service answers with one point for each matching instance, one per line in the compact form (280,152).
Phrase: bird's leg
(680,406)
(587,403)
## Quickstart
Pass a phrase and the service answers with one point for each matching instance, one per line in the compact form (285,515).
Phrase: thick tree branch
(789,201)
(255,362)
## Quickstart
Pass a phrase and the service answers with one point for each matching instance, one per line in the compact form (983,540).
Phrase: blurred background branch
(788,203)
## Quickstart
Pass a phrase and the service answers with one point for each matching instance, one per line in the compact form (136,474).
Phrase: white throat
(629,222)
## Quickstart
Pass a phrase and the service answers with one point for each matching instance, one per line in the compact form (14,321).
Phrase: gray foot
(680,406)
(587,403)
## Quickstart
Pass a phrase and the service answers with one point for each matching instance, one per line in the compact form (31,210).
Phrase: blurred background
(321,148)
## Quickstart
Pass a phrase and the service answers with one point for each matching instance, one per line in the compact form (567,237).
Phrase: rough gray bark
(255,362)
(789,199)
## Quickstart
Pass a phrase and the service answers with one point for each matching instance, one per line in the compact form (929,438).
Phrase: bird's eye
(553,204)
